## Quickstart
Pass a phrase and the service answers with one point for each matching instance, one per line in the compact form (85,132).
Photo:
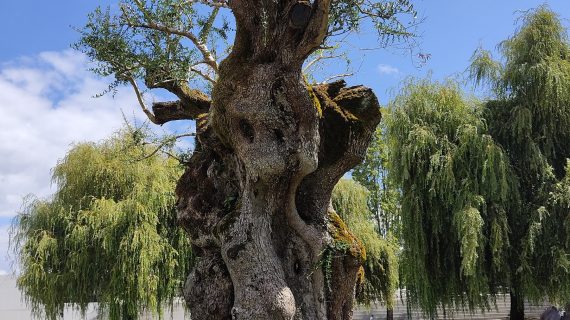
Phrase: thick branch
(187,109)
(317,27)
(191,104)
(350,116)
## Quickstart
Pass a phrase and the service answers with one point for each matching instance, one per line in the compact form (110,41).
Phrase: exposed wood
(179,110)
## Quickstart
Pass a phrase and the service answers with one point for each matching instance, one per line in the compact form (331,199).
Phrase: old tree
(255,196)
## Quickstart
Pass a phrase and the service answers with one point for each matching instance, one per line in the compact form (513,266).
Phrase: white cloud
(46,105)
(388,69)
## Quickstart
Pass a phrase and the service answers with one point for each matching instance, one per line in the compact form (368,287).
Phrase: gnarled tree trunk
(269,150)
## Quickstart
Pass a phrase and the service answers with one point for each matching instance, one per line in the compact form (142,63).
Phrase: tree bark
(389,314)
(255,195)
(517,305)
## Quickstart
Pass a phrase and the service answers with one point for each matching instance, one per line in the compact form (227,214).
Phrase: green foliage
(126,46)
(533,88)
(349,199)
(456,186)
(530,117)
(108,234)
(164,43)
(373,173)
(387,17)
(552,252)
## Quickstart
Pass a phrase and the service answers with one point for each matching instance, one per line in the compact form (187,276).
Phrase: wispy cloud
(387,69)
(46,105)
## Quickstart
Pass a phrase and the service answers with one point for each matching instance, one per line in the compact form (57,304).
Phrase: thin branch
(140,99)
(203,75)
(174,157)
(342,75)
(319,58)
(163,83)
(201,46)
(214,4)
(165,142)
(203,35)
(208,57)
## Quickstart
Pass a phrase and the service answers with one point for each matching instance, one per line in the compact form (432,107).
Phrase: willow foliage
(530,117)
(381,266)
(456,184)
(551,256)
(532,87)
(108,234)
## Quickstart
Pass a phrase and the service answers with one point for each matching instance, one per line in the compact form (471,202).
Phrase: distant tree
(380,268)
(530,117)
(108,234)
(457,190)
(373,173)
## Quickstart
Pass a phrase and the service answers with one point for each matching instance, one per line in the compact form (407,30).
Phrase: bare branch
(140,99)
(191,104)
(342,75)
(174,157)
(203,75)
(214,3)
(185,109)
(318,59)
(164,143)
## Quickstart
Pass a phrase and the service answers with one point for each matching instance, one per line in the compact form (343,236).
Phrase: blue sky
(46,91)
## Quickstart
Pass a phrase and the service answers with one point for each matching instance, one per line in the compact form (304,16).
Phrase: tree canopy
(176,44)
(456,187)
(530,117)
(108,234)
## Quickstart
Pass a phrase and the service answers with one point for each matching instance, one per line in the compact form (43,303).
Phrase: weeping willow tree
(380,269)
(456,185)
(530,118)
(108,235)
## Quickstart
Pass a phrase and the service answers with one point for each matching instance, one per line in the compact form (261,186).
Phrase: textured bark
(389,314)
(517,306)
(255,196)
(179,110)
